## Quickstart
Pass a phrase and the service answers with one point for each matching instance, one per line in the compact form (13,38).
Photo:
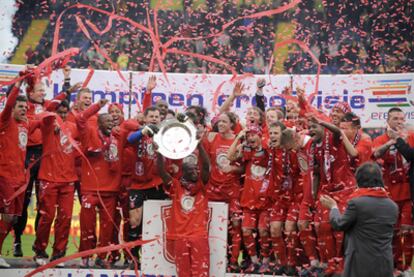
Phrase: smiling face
(38,94)
(105,123)
(336,116)
(275,133)
(316,131)
(84,99)
(224,124)
(253,140)
(116,114)
(253,117)
(271,116)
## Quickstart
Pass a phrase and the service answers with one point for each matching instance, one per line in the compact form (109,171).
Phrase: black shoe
(101,263)
(234,268)
(58,256)
(17,250)
(41,257)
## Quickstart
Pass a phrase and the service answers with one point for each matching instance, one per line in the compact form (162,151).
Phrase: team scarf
(378,192)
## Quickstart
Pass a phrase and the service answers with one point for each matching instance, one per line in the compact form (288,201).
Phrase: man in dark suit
(368,223)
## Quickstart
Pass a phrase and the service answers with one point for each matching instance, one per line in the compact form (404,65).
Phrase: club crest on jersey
(303,164)
(258,171)
(187,202)
(112,153)
(222,161)
(22,138)
(65,143)
(139,168)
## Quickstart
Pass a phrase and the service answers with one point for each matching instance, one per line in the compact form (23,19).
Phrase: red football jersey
(190,212)
(395,169)
(13,142)
(222,185)
(254,194)
(58,160)
(34,112)
(103,172)
(333,166)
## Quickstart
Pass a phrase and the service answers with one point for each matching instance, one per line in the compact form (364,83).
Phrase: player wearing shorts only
(395,172)
(100,181)
(190,215)
(57,175)
(254,196)
(224,182)
(14,129)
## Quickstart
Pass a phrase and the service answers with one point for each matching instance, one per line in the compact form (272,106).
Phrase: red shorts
(284,211)
(404,213)
(253,219)
(15,206)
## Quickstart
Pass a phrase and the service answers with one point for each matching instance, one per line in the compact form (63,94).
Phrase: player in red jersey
(37,104)
(14,129)
(189,215)
(254,196)
(361,142)
(302,143)
(57,175)
(100,180)
(224,182)
(334,177)
(286,195)
(145,180)
(395,169)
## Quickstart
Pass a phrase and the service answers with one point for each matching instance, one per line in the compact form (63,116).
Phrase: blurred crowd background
(347,36)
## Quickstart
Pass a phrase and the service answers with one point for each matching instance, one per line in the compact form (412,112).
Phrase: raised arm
(205,163)
(259,96)
(237,91)
(82,118)
(165,176)
(338,135)
(232,153)
(381,150)
(147,101)
(10,102)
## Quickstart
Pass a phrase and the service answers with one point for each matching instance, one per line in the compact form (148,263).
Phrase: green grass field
(27,242)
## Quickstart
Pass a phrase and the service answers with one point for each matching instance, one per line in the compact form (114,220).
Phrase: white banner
(370,96)
(157,256)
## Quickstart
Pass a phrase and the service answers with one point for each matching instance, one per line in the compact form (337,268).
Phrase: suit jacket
(408,153)
(368,225)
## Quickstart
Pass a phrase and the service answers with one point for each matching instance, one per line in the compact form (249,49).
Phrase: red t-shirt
(286,185)
(222,185)
(333,166)
(34,112)
(145,174)
(305,159)
(254,194)
(395,169)
(58,160)
(13,142)
(128,149)
(190,212)
(364,149)
(102,152)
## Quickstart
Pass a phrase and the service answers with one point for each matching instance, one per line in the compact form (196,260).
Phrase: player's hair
(277,124)
(82,91)
(288,135)
(353,118)
(394,109)
(151,109)
(369,175)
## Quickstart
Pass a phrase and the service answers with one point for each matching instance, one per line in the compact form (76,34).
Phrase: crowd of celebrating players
(271,171)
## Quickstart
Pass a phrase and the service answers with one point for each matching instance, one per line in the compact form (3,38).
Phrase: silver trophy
(176,140)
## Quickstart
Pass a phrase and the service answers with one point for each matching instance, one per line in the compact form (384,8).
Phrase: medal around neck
(176,140)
